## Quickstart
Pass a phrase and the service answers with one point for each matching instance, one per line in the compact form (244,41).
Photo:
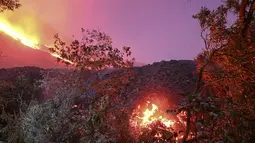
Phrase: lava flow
(15,34)
(19,34)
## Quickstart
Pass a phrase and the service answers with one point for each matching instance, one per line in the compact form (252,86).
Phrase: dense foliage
(17,92)
(82,110)
(222,106)
(9,5)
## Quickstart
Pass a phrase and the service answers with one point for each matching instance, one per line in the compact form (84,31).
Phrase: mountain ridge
(175,78)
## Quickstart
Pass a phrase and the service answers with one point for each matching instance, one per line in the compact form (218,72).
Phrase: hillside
(166,77)
(161,82)
(173,79)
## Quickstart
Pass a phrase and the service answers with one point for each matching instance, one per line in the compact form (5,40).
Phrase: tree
(93,52)
(222,106)
(9,5)
(231,69)
(87,109)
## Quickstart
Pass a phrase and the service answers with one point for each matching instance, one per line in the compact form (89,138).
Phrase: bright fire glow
(150,116)
(18,34)
(142,117)
(57,56)
(145,114)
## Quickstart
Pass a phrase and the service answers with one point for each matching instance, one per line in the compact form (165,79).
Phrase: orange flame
(18,33)
(145,115)
(150,116)
(58,56)
(142,118)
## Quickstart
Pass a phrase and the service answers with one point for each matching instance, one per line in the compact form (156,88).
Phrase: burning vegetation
(151,123)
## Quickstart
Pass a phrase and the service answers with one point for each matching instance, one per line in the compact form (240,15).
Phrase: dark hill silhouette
(175,78)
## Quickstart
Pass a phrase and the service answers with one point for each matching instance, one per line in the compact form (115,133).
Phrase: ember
(152,116)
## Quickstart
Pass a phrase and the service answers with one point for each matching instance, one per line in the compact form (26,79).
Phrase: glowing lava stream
(25,41)
(17,36)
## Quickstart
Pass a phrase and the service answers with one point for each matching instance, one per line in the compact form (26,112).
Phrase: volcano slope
(169,79)
(172,79)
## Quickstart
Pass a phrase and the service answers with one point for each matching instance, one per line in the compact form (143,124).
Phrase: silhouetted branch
(246,21)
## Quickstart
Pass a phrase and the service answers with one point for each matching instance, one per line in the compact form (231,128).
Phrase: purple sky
(155,29)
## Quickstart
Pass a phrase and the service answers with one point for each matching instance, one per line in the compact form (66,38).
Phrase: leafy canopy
(93,52)
(222,106)
(9,5)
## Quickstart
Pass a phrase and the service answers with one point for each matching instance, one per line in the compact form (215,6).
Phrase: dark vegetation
(9,5)
(148,80)
(92,100)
